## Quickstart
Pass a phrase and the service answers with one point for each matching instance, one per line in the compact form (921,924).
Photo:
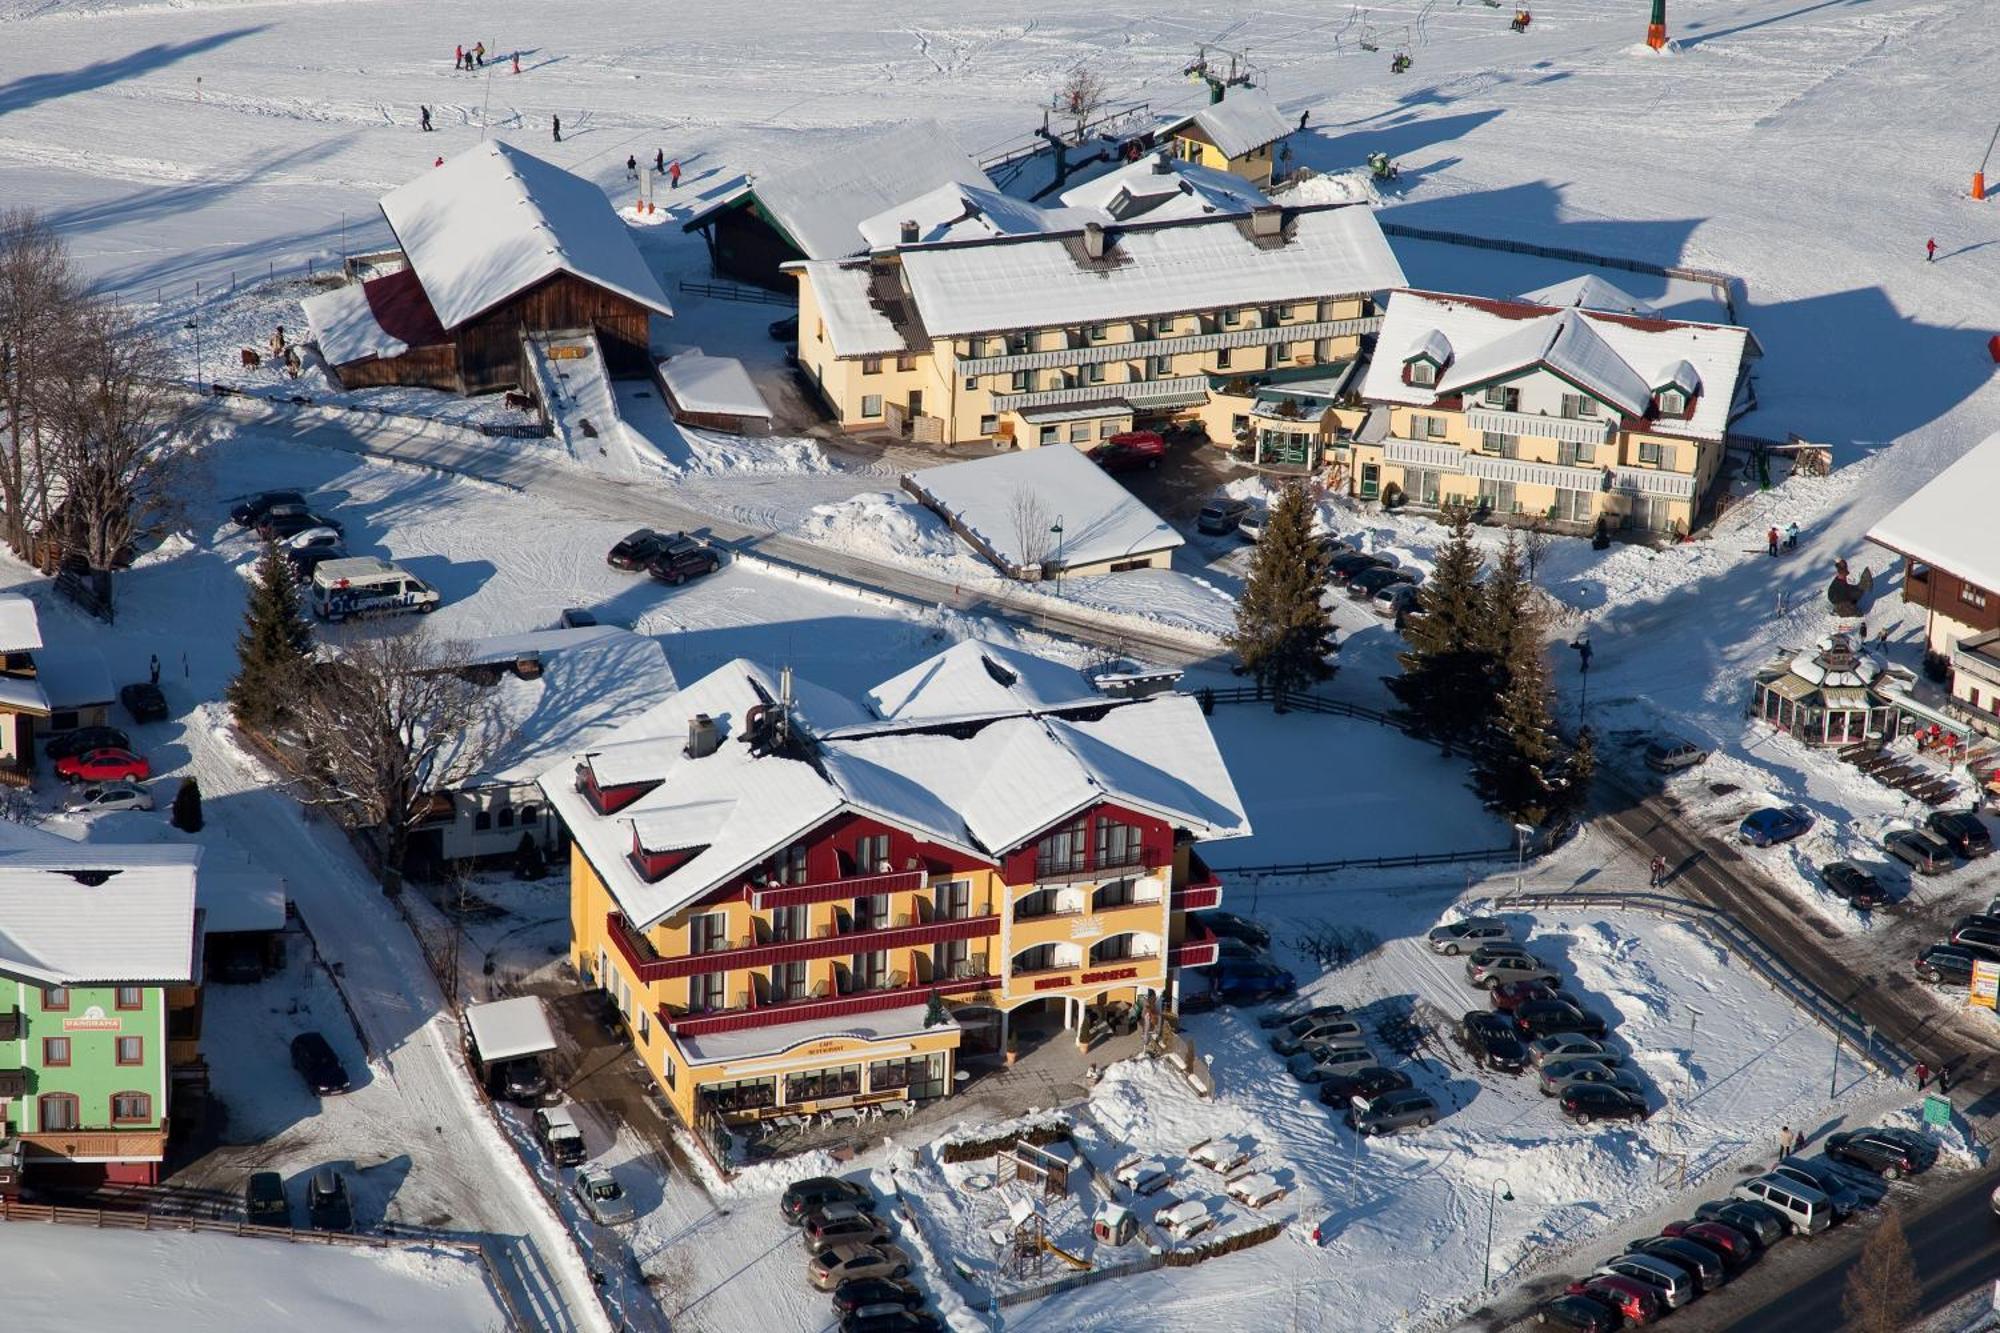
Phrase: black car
(1886,1152)
(85,739)
(1368,582)
(314,1058)
(328,1203)
(144,702)
(1542,1018)
(894,1321)
(1685,1252)
(306,559)
(864,1292)
(1493,1042)
(1585,1102)
(1944,964)
(637,549)
(289,520)
(521,1081)
(819,1191)
(681,559)
(1233,927)
(784,330)
(264,1202)
(252,508)
(1367,1083)
(1579,1314)
(1862,890)
(1962,831)
(1346,564)
(1760,1222)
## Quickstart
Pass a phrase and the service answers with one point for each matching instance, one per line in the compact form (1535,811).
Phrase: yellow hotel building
(773,881)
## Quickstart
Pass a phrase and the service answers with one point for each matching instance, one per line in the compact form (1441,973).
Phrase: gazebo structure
(1830,694)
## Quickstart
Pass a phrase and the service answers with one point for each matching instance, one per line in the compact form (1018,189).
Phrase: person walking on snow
(1659,875)
(458,58)
(631,167)
(1791,536)
(424,118)
(517,62)
(1923,1075)
(1930,251)
(1304,116)
(1771,538)
(1788,1142)
(479,54)
(555,124)
(674,175)
(659,161)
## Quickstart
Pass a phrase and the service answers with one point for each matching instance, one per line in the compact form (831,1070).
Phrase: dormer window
(1673,403)
(655,864)
(1423,365)
(1421,372)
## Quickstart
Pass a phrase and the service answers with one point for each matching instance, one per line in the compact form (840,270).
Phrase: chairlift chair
(1399,62)
(1368,42)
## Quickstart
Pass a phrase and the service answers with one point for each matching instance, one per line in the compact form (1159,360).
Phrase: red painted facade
(1156,837)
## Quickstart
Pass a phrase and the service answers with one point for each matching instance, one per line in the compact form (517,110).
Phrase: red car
(1511,995)
(1129,452)
(103,766)
(1639,1303)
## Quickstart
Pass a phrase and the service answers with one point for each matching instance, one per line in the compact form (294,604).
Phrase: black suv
(636,549)
(1889,1153)
(819,1191)
(1962,831)
(1542,1018)
(83,740)
(1367,1083)
(289,520)
(1493,1042)
(681,559)
(313,1057)
(1848,880)
(248,511)
(1943,963)
(144,701)
(264,1202)
(1585,1102)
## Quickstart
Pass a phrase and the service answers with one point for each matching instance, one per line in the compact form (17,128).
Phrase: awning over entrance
(510,1029)
(785,1044)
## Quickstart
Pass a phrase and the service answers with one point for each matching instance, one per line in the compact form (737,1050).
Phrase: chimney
(1161,166)
(1093,240)
(703,737)
(1268,221)
(909,231)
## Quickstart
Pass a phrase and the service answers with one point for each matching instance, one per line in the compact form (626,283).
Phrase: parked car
(264,1201)
(1339,1089)
(1364,585)
(1388,1112)
(1889,1153)
(246,512)
(1919,850)
(1565,1045)
(1230,926)
(1736,1248)
(1981,941)
(1346,564)
(1559,1076)
(1825,1177)
(869,1292)
(106,765)
(1284,1018)
(1675,1285)
(65,743)
(1397,600)
(1804,1209)
(328,1205)
(289,520)
(1494,1044)
(1251,526)
(103,797)
(1580,1314)
(1459,936)
(808,1196)
(311,539)
(556,1131)
(1589,1102)
(576,617)
(1945,964)
(1845,879)
(1317,1032)
(1538,1018)
(313,1056)
(1511,995)
(303,563)
(841,1224)
(892,1321)
(1774,824)
(603,1197)
(784,330)
(1221,516)
(1129,451)
(1762,1225)
(1487,970)
(1242,983)
(522,1080)
(1635,1302)
(1670,754)
(635,549)
(844,1263)
(1962,831)
(1705,1264)
(144,701)
(684,558)
(1317,1063)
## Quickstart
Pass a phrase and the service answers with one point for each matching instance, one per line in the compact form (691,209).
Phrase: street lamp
(194,326)
(1501,1190)
(1522,832)
(1057,529)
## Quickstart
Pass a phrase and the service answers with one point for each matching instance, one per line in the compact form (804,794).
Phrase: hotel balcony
(816,1007)
(648,965)
(1203,889)
(1198,947)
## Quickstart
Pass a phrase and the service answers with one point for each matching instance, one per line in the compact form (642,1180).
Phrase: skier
(438,163)
(555,124)
(517,62)
(479,54)
(156,668)
(1522,18)
(1792,536)
(458,58)
(1304,116)
(631,167)
(659,161)
(1771,538)
(674,174)
(1930,251)
(424,118)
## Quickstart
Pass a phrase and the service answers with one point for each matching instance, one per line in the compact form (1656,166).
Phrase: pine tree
(1881,1293)
(1512,620)
(1444,687)
(1283,633)
(273,646)
(187,806)
(935,1013)
(1515,768)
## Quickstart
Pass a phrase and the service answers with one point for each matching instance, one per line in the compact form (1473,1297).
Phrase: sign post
(1985,990)
(1937,1110)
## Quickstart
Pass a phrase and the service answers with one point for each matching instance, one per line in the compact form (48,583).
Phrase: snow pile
(886,526)
(1353,186)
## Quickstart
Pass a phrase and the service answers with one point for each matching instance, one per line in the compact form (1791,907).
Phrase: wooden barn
(497,245)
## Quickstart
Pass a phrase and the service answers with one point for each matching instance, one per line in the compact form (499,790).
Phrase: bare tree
(1882,1292)
(390,722)
(38,292)
(115,452)
(1029,514)
(1535,542)
(1081,95)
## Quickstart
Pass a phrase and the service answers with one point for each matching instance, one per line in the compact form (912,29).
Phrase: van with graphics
(367,585)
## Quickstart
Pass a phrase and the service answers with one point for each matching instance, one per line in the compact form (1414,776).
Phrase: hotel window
(871,970)
(1232,317)
(1096,333)
(905,362)
(1141,330)
(55,1000)
(1577,455)
(55,1051)
(131,1050)
(1502,397)
(1427,427)
(130,1107)
(1971,596)
(1038,959)
(1118,844)
(788,982)
(1094,373)
(1042,902)
(1079,432)
(871,854)
(1423,372)
(989,425)
(1498,443)
(1577,405)
(1063,852)
(1049,435)
(1105,951)
(872,912)
(708,932)
(1651,453)
(1118,893)
(1163,366)
(1271,317)
(789,866)
(871,365)
(1020,383)
(1280,352)
(1060,379)
(1018,344)
(954,900)
(1222,358)
(57,1111)
(131,997)
(971,383)
(1165,326)
(708,991)
(789,923)
(871,405)
(953,960)
(921,1075)
(742,1094)
(1672,402)
(819,1084)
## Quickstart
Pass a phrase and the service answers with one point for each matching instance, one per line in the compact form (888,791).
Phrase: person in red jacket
(1930,251)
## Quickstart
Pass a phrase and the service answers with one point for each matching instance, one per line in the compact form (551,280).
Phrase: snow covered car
(1566,1045)
(560,1138)
(1775,824)
(1218,517)
(101,797)
(1558,1076)
(311,538)
(603,1197)
(107,765)
(1460,936)
(1670,754)
(1919,851)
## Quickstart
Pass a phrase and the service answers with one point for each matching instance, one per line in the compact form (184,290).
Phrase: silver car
(1316,1063)
(603,1197)
(1558,1076)
(1317,1032)
(1569,1045)
(1669,754)
(1405,1108)
(1509,967)
(1472,933)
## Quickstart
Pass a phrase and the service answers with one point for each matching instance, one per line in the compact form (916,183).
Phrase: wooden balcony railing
(833,890)
(1198,948)
(1202,890)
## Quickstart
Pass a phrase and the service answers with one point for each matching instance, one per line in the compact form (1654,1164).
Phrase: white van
(1806,1210)
(366,585)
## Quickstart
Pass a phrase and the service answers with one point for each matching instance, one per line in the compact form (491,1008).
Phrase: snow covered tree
(1513,621)
(935,1012)
(187,806)
(1283,634)
(1444,687)
(1882,1292)
(1515,769)
(273,647)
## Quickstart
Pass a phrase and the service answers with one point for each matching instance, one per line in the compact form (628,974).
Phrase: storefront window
(818,1084)
(922,1076)
(744,1094)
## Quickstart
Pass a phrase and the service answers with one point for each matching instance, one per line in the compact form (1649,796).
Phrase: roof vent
(1162,165)
(909,231)
(1093,240)
(1267,222)
(704,737)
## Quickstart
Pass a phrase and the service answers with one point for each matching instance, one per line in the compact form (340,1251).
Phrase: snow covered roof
(98,914)
(822,203)
(956,211)
(713,385)
(1160,186)
(510,1029)
(1101,519)
(1433,345)
(1612,356)
(1587,291)
(855,324)
(1243,121)
(1147,269)
(1680,375)
(1001,774)
(594,680)
(74,676)
(495,220)
(381,317)
(239,897)
(1948,523)
(20,626)
(23,694)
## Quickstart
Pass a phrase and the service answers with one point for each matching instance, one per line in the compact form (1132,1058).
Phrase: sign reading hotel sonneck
(1985,992)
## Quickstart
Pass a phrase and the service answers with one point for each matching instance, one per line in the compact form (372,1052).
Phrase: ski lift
(1399,62)
(1382,167)
(1368,42)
